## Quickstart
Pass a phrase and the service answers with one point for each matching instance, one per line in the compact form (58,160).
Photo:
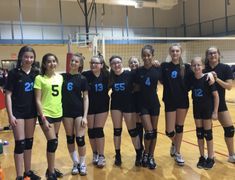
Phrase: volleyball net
(90,44)
(192,47)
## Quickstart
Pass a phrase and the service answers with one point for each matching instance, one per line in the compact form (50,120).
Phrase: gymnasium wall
(44,11)
(190,50)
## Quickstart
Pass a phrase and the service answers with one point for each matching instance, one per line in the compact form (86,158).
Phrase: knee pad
(80,141)
(28,143)
(19,146)
(154,133)
(229,131)
(208,134)
(99,132)
(179,128)
(132,132)
(57,135)
(117,131)
(70,139)
(149,135)
(170,134)
(91,133)
(200,133)
(52,145)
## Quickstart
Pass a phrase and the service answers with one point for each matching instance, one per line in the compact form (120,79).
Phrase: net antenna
(83,40)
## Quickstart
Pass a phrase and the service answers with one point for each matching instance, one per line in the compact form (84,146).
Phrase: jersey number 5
(55,91)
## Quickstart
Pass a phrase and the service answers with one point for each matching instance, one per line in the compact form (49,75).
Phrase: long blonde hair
(182,66)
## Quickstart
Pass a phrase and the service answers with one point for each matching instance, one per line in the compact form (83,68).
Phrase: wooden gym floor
(166,167)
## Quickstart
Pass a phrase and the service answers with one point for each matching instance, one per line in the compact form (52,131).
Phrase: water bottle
(1,147)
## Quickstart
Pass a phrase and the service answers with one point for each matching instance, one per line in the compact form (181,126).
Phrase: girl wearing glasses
(122,106)
(98,79)
(223,77)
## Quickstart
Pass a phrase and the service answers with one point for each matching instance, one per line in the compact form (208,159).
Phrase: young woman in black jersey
(98,79)
(133,65)
(147,78)
(75,107)
(223,77)
(47,88)
(21,109)
(203,111)
(122,106)
(175,96)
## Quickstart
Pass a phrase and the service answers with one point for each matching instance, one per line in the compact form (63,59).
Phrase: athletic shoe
(145,160)
(75,169)
(83,169)
(19,178)
(231,158)
(172,150)
(52,176)
(31,175)
(201,163)
(179,159)
(95,158)
(151,163)
(57,173)
(118,160)
(138,160)
(209,163)
(101,161)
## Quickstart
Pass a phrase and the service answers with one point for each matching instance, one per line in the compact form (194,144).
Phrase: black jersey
(98,92)
(23,99)
(122,87)
(224,73)
(202,98)
(175,87)
(201,90)
(72,101)
(148,80)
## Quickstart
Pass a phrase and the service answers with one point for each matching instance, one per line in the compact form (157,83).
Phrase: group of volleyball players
(81,98)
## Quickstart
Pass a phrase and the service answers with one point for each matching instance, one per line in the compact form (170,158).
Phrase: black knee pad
(200,132)
(179,128)
(52,145)
(149,135)
(28,143)
(154,133)
(80,141)
(132,132)
(57,135)
(170,134)
(117,131)
(208,134)
(19,146)
(99,132)
(91,133)
(229,131)
(70,139)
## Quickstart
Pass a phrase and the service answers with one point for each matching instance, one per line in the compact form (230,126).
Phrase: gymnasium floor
(166,167)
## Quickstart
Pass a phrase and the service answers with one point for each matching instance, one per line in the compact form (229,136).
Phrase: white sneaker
(83,171)
(75,169)
(172,150)
(231,158)
(101,161)
(95,158)
(179,159)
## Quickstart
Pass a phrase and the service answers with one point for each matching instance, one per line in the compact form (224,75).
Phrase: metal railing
(10,32)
